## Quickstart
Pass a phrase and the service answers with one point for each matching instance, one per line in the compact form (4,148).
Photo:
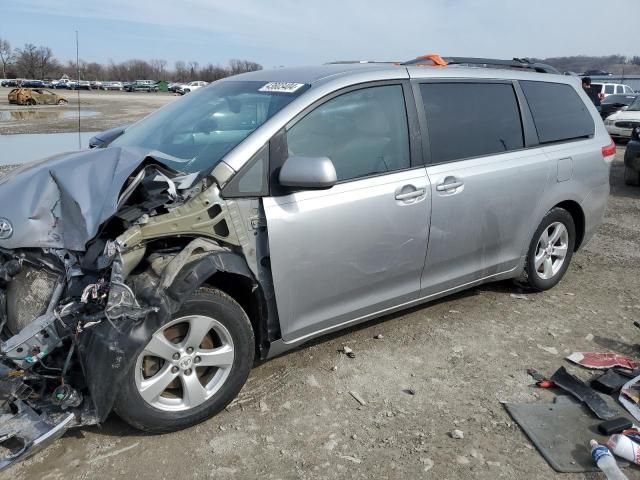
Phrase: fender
(109,350)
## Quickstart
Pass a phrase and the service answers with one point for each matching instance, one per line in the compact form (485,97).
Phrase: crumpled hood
(61,202)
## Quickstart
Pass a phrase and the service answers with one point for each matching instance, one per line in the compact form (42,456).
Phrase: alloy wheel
(185,363)
(551,250)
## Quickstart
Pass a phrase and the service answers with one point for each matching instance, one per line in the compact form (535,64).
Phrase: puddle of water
(15,149)
(18,115)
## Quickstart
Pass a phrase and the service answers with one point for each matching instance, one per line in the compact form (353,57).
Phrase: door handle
(449,185)
(410,195)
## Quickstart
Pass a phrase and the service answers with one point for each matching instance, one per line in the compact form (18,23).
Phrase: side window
(363,132)
(558,112)
(471,119)
(627,89)
(608,89)
(619,89)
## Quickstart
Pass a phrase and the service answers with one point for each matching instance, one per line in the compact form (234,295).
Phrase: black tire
(531,277)
(631,176)
(132,408)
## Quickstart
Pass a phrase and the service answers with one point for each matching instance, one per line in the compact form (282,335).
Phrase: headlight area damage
(99,249)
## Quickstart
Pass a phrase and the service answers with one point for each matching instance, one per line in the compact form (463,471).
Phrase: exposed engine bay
(111,244)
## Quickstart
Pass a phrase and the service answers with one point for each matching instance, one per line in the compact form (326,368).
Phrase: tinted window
(558,112)
(471,119)
(363,132)
(608,89)
(619,89)
(597,87)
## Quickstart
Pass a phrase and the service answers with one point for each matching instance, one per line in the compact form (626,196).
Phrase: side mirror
(309,173)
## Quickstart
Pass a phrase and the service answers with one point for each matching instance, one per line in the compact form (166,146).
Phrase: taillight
(609,152)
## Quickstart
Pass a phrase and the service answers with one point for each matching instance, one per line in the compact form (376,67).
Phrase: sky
(299,32)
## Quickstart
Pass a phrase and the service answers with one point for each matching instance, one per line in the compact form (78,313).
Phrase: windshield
(635,106)
(202,127)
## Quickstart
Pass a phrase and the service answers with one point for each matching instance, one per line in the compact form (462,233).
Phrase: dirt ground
(460,357)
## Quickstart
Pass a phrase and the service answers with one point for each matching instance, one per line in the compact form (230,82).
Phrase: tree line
(38,62)
(617,64)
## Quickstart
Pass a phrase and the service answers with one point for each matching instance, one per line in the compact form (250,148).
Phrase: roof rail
(348,62)
(516,63)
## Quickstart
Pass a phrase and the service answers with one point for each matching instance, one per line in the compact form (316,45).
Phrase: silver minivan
(273,207)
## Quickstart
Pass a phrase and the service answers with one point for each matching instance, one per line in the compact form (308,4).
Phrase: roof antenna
(78,89)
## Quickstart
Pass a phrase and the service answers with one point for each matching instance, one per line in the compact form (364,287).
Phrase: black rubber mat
(561,432)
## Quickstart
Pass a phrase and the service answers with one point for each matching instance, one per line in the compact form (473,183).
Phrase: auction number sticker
(283,87)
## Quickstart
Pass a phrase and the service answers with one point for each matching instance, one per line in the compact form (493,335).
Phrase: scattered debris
(348,352)
(462,460)
(428,464)
(493,464)
(334,369)
(541,380)
(625,448)
(629,395)
(409,391)
(263,406)
(589,337)
(378,336)
(616,425)
(605,461)
(551,350)
(584,393)
(601,360)
(519,296)
(350,458)
(357,398)
(609,382)
(457,434)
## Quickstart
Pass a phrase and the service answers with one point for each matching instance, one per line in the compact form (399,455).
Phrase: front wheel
(551,250)
(191,368)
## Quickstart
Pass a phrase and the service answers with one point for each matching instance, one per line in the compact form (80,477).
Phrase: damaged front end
(107,247)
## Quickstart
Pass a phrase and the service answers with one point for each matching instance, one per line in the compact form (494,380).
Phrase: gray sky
(294,32)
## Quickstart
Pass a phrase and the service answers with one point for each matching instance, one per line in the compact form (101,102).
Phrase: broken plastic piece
(32,432)
(615,425)
(601,360)
(609,382)
(584,393)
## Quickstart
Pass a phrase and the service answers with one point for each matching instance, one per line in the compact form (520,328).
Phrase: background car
(112,86)
(621,124)
(191,86)
(35,96)
(607,89)
(596,72)
(615,103)
(142,86)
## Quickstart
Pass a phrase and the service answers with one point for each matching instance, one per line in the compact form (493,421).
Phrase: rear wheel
(631,176)
(191,368)
(550,250)
(62,102)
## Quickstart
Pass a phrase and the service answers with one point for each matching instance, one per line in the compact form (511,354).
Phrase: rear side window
(558,111)
(619,89)
(608,89)
(471,119)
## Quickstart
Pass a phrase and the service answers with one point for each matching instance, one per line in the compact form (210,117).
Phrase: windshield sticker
(283,87)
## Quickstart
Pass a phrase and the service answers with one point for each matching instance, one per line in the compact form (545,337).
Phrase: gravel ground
(100,111)
(460,357)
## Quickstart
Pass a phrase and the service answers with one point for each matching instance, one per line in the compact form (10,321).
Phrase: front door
(341,254)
